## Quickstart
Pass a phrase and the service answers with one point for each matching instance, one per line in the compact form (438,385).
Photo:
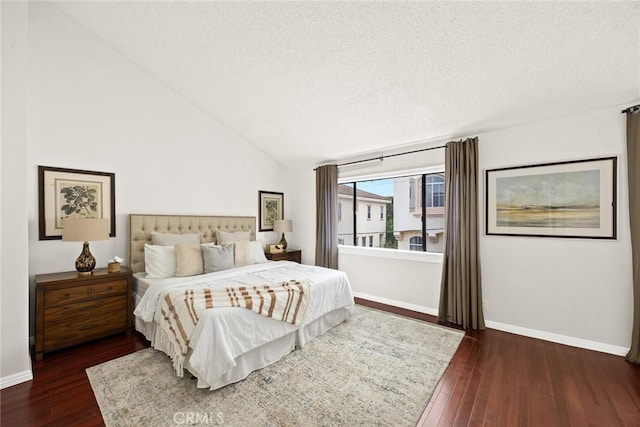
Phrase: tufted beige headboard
(141,226)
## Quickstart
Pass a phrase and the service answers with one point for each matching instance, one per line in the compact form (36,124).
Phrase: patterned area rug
(375,369)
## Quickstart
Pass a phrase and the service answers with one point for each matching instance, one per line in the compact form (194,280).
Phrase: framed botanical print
(271,209)
(71,193)
(566,199)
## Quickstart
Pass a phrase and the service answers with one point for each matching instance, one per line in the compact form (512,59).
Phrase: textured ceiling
(317,81)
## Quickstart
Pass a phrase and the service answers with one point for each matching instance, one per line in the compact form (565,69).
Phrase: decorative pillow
(243,253)
(166,239)
(227,237)
(159,261)
(188,260)
(217,258)
(257,252)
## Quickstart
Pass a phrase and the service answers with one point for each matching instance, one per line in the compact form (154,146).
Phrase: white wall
(573,291)
(577,291)
(91,108)
(15,364)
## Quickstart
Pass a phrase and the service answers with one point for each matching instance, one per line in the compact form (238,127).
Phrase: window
(341,241)
(339,212)
(411,212)
(415,243)
(435,191)
(434,195)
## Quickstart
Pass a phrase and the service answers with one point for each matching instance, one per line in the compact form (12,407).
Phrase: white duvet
(223,334)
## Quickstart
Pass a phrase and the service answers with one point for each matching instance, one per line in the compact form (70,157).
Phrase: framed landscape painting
(72,193)
(271,209)
(566,199)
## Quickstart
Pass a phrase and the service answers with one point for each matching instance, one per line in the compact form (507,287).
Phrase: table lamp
(85,230)
(283,226)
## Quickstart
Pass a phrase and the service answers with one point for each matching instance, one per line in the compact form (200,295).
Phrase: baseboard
(531,333)
(406,305)
(14,379)
(557,338)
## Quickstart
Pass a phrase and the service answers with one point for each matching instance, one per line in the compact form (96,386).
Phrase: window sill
(428,257)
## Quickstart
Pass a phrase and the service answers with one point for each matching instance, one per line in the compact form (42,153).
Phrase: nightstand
(72,309)
(294,255)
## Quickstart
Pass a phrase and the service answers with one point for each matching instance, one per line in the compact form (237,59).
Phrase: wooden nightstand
(288,255)
(72,309)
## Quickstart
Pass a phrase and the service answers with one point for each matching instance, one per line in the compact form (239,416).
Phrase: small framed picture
(271,209)
(565,199)
(72,193)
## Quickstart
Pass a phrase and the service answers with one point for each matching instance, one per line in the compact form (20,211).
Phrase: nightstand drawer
(109,288)
(67,333)
(86,308)
(63,296)
(72,308)
(294,255)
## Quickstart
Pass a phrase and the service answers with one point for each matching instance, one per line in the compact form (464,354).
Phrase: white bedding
(224,335)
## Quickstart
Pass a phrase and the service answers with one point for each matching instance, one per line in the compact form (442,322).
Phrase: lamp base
(283,242)
(85,262)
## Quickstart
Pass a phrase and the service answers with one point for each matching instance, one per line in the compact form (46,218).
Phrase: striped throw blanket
(182,308)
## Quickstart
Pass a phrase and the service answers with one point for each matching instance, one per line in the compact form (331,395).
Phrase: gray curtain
(327,216)
(460,290)
(633,169)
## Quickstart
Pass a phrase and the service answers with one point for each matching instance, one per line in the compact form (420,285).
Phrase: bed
(228,343)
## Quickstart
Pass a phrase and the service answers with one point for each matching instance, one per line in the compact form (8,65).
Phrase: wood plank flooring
(495,379)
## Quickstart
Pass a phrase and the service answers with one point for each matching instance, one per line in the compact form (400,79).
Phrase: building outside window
(365,203)
(401,201)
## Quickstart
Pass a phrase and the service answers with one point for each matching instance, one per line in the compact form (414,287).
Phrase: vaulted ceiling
(309,82)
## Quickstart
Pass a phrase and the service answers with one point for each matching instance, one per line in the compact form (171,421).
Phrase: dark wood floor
(495,379)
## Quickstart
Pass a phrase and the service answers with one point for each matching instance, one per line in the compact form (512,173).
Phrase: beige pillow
(242,252)
(227,237)
(188,260)
(167,239)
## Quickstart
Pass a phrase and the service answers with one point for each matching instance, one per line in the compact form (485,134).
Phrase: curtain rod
(633,109)
(388,155)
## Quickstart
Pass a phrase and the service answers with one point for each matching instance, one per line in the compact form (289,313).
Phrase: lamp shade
(283,225)
(85,229)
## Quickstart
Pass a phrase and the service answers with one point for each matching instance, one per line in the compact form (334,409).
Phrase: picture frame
(271,208)
(571,199)
(64,193)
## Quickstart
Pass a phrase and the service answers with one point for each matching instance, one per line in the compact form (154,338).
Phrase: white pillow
(159,261)
(226,237)
(257,252)
(167,239)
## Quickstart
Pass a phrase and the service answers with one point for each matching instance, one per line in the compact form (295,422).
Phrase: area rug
(375,369)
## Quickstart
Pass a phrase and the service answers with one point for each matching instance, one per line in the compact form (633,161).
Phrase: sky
(381,187)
